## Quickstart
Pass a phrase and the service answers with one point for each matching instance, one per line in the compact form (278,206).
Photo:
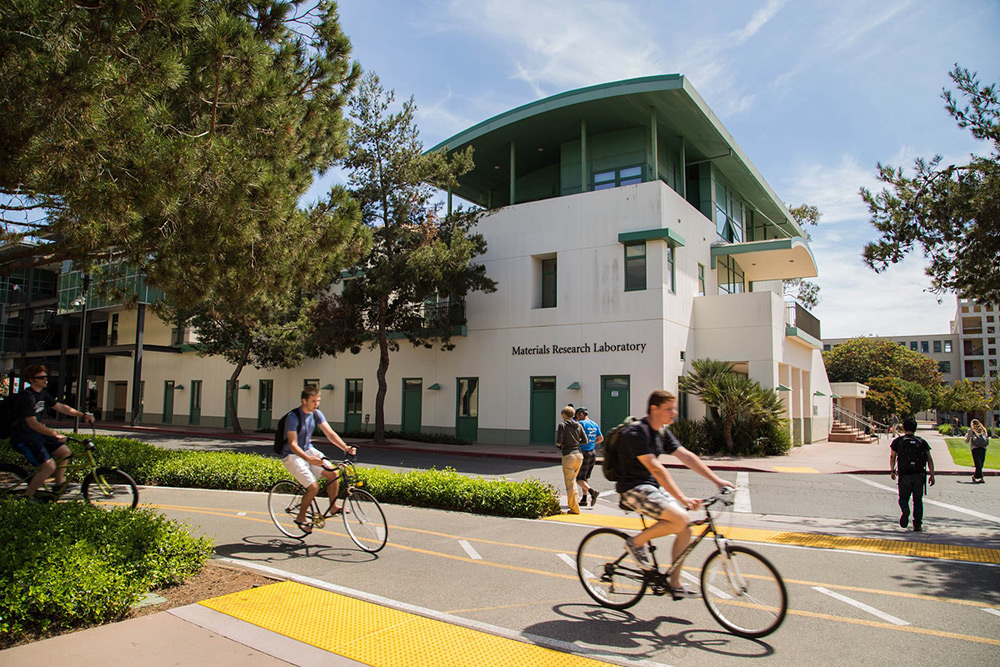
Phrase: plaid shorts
(649,500)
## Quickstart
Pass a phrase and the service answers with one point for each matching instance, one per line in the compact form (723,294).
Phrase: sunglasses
(40,377)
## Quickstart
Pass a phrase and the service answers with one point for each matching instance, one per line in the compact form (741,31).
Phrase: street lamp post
(81,380)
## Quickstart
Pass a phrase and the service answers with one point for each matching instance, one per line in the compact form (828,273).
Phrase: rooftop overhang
(775,259)
(538,130)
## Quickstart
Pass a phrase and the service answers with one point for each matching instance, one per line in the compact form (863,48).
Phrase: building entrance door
(614,400)
(543,411)
(168,402)
(119,401)
(412,404)
(467,410)
(353,393)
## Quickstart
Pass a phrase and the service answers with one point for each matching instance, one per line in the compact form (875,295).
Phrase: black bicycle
(101,485)
(362,514)
(741,589)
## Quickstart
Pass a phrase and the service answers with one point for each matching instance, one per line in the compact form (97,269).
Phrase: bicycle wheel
(11,477)
(108,486)
(608,571)
(744,592)
(365,521)
(283,503)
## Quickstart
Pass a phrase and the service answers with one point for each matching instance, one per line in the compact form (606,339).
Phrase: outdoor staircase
(841,432)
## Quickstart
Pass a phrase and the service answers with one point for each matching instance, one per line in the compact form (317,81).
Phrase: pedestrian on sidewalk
(911,462)
(978,438)
(589,451)
(569,436)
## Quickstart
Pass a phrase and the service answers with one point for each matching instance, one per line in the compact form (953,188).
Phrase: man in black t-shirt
(910,460)
(646,487)
(42,446)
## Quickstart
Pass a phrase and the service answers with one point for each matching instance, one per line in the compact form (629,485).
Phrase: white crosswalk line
(862,606)
(572,563)
(469,549)
(742,500)
(995,612)
(928,501)
(715,591)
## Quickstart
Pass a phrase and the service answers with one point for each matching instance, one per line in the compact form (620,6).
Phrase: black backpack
(611,466)
(8,415)
(279,433)
(911,455)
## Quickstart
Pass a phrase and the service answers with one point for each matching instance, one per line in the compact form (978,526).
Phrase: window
(701,280)
(826,347)
(730,276)
(728,214)
(113,336)
(310,381)
(947,346)
(671,273)
(613,178)
(913,345)
(468,397)
(925,346)
(944,366)
(548,283)
(937,347)
(635,266)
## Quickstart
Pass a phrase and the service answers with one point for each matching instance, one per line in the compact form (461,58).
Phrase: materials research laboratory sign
(586,348)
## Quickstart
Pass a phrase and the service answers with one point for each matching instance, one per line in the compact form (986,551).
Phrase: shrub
(439,438)
(691,434)
(69,565)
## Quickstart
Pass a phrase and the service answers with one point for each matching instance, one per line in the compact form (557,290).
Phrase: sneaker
(593,497)
(641,554)
(683,591)
(583,500)
(904,519)
(917,528)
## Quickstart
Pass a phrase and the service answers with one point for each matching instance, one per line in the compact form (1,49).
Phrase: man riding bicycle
(43,447)
(646,487)
(304,461)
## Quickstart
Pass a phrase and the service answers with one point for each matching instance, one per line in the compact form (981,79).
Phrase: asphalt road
(518,574)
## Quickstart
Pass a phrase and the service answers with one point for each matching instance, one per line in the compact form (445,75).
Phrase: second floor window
(671,277)
(614,178)
(549,276)
(635,266)
(731,278)
(728,214)
(937,346)
(701,280)
(947,346)
(944,366)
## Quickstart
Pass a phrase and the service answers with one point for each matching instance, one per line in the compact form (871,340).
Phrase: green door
(543,411)
(236,399)
(168,402)
(412,404)
(614,400)
(195,414)
(467,410)
(353,392)
(264,405)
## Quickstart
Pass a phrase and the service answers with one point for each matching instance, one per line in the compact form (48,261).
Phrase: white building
(631,236)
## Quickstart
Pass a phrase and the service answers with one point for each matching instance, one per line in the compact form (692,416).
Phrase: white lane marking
(995,612)
(954,508)
(587,574)
(473,554)
(241,514)
(862,606)
(715,591)
(742,501)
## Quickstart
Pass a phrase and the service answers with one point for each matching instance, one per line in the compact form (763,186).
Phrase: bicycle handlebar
(725,495)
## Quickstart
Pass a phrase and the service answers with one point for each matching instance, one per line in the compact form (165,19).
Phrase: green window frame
(468,397)
(728,214)
(353,392)
(635,266)
(613,178)
(671,270)
(549,282)
(937,347)
(701,280)
(730,276)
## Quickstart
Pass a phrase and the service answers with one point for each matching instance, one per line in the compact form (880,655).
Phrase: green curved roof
(538,130)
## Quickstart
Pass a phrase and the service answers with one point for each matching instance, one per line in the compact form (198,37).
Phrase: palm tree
(705,374)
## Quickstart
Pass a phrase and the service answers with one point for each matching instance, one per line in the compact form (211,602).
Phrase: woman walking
(978,439)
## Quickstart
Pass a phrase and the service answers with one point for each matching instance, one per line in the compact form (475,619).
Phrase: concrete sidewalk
(822,457)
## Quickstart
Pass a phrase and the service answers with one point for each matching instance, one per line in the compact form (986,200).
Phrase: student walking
(911,462)
(569,436)
(978,438)
(589,451)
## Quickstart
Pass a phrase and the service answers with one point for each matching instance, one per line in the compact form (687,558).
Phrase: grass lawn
(962,455)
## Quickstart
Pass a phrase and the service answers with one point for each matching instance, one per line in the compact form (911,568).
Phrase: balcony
(774,259)
(800,323)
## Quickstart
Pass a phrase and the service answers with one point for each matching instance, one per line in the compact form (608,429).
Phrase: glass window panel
(947,346)
(549,283)
(630,172)
(413,383)
(937,346)
(468,404)
(635,250)
(925,346)
(604,177)
(543,384)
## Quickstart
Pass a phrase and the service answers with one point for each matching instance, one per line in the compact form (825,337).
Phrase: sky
(816,92)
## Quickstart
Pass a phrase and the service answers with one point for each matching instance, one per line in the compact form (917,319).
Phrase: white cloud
(757,21)
(833,189)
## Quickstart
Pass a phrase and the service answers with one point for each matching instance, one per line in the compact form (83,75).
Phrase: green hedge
(442,489)
(70,565)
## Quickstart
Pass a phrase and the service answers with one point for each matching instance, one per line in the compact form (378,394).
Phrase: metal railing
(800,318)
(860,422)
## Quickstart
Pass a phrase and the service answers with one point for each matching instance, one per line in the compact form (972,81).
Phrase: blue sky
(815,92)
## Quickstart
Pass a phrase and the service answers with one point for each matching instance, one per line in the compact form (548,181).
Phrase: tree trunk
(383,368)
(727,433)
(232,388)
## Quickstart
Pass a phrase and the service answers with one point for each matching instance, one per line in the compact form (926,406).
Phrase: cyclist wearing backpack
(910,456)
(304,461)
(43,447)
(646,487)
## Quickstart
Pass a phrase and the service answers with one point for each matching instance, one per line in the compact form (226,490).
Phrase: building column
(655,144)
(684,178)
(583,155)
(140,325)
(513,173)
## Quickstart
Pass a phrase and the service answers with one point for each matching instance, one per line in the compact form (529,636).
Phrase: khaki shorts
(304,472)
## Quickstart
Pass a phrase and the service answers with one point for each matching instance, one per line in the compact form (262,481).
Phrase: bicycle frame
(73,464)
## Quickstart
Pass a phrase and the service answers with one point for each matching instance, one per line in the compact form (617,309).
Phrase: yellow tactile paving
(793,469)
(898,547)
(377,635)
